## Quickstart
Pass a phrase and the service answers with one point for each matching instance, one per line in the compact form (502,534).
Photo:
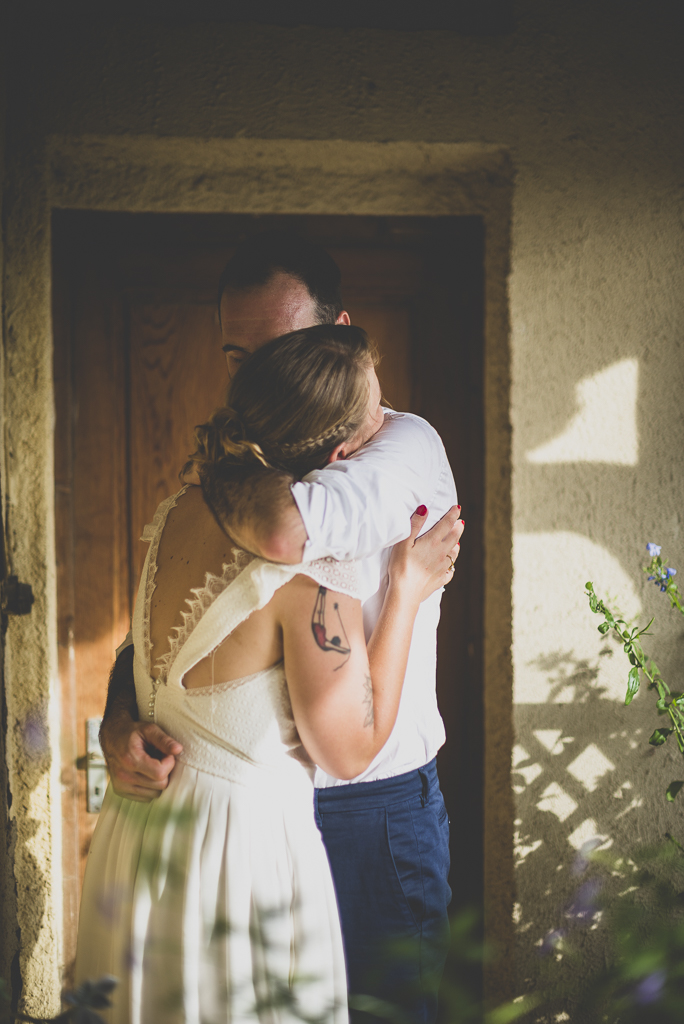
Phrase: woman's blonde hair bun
(222,439)
(290,404)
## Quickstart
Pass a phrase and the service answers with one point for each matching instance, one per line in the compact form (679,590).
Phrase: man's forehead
(255,312)
(251,318)
(249,333)
(283,294)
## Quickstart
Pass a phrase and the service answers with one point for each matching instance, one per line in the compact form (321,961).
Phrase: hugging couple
(273,844)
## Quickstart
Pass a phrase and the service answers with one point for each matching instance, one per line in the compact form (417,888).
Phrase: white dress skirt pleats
(214,903)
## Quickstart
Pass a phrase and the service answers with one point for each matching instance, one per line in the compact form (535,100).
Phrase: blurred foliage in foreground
(636,905)
(641,980)
(81,1004)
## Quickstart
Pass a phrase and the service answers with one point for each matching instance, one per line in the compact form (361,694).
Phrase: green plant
(667,702)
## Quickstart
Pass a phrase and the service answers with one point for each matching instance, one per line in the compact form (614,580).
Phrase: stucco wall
(8,938)
(585,97)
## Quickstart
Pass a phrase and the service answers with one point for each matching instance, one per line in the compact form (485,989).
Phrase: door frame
(186,175)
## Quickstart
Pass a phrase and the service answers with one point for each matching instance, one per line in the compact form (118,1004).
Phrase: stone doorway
(183,174)
(138,363)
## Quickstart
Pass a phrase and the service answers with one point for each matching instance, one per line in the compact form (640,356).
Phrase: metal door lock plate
(96,768)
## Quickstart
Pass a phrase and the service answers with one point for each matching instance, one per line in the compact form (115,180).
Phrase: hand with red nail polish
(425,564)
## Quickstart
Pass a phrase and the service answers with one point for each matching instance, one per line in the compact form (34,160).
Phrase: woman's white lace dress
(215,903)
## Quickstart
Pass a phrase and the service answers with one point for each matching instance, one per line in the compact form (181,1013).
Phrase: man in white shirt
(386,832)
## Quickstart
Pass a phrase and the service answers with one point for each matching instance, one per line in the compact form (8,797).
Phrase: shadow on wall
(582,766)
(571,790)
(581,770)
(604,426)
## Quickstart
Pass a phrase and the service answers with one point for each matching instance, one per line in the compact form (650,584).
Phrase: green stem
(629,638)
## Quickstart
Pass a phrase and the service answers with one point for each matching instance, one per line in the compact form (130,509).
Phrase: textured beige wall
(149,173)
(585,98)
(8,938)
(30,655)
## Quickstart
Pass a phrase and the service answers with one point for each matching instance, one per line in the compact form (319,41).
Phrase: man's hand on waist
(139,756)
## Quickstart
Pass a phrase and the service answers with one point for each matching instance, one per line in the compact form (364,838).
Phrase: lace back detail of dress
(203,598)
(342,577)
(152,532)
(329,573)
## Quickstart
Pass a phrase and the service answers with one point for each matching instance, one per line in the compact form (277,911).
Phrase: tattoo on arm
(339,642)
(368,702)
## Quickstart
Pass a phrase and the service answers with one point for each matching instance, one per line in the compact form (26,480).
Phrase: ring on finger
(452,566)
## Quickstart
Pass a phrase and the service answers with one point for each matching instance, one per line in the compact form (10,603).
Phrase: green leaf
(659,737)
(603,628)
(508,1012)
(661,705)
(632,685)
(593,602)
(646,627)
(673,789)
(589,586)
(377,1007)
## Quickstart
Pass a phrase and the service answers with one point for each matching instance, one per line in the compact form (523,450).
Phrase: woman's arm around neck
(345,696)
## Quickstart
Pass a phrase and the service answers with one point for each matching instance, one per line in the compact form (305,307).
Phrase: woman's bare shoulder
(299,597)
(296,589)
(191,513)
(192,536)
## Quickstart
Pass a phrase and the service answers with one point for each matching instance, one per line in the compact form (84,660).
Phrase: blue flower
(582,857)
(584,906)
(670,572)
(551,940)
(663,588)
(35,733)
(653,549)
(650,989)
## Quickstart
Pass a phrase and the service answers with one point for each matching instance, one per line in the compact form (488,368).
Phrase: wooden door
(138,364)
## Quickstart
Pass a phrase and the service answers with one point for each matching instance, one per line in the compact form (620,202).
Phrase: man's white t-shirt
(358,508)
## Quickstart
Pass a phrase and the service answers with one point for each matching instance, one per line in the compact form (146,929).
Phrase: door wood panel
(178,377)
(138,364)
(91,522)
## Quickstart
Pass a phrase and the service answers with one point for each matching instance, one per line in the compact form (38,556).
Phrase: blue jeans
(388,846)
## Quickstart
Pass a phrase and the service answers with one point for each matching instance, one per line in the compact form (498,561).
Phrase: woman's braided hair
(289,405)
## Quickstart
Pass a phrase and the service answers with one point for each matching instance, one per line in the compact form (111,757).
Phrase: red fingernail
(458,507)
(421,510)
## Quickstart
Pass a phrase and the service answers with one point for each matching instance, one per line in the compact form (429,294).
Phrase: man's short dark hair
(260,256)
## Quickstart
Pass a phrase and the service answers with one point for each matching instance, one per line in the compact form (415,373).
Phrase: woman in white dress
(215,903)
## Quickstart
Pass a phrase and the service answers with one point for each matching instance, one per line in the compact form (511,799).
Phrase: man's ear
(339,452)
(343,318)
